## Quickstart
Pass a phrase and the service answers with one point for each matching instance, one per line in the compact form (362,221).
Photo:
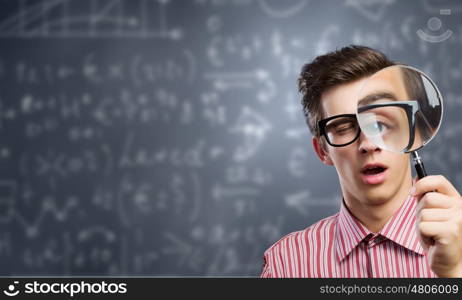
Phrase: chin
(377,194)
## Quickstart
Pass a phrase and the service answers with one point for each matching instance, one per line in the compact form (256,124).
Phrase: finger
(434,215)
(435,183)
(432,230)
(434,200)
(425,239)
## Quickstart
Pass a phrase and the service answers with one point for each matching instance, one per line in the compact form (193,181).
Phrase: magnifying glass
(400,109)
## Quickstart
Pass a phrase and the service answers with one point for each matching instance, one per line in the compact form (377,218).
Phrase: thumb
(413,188)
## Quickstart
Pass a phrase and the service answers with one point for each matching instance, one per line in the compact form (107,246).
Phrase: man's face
(366,172)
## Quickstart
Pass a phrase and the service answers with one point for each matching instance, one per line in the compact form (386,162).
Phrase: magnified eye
(373,126)
(380,126)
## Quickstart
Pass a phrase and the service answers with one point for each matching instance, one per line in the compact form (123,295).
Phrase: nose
(366,146)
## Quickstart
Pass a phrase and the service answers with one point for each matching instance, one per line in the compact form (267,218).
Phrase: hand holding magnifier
(400,109)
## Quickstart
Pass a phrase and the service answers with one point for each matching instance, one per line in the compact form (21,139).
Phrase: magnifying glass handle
(418,164)
(421,173)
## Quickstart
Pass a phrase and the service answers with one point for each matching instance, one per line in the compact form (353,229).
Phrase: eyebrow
(376,96)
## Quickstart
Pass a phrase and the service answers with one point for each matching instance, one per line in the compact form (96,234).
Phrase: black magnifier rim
(411,107)
(438,95)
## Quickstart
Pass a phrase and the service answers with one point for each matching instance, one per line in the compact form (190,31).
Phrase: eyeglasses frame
(322,128)
(411,107)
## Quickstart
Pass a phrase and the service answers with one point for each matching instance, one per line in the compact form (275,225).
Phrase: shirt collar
(399,229)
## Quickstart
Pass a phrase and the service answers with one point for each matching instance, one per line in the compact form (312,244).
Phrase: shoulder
(305,236)
(290,255)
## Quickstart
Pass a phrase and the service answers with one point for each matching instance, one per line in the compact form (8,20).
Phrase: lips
(374,173)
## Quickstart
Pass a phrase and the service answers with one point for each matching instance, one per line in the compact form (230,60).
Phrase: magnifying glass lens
(399,109)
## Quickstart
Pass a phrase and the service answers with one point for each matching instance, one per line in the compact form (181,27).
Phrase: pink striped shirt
(340,246)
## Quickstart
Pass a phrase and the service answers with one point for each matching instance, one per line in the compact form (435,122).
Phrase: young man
(387,226)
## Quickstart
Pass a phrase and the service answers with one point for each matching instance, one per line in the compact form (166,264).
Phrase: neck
(373,213)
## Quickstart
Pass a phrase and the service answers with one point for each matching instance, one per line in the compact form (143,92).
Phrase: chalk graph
(89,19)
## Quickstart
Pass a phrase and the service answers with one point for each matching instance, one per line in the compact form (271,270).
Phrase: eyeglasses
(401,119)
(340,130)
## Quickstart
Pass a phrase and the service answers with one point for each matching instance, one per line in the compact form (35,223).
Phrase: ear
(321,152)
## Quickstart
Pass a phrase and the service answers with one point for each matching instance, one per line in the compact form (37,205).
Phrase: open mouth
(373,173)
(373,170)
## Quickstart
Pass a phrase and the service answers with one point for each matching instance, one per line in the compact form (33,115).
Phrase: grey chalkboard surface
(159,137)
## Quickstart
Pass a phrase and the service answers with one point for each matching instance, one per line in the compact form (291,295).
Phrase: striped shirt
(340,246)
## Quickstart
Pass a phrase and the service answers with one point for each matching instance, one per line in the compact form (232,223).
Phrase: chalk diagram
(374,10)
(254,129)
(282,9)
(89,19)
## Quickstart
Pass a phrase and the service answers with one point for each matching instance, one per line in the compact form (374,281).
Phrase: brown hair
(341,66)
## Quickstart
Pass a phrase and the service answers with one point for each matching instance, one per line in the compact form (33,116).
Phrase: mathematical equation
(159,137)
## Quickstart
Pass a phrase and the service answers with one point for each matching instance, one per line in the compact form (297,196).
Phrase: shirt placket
(370,242)
(367,249)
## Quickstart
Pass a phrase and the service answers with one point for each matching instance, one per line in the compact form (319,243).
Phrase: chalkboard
(166,138)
